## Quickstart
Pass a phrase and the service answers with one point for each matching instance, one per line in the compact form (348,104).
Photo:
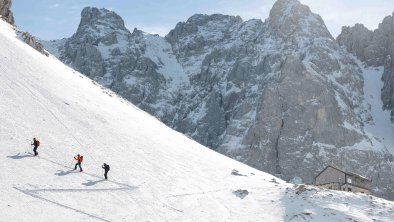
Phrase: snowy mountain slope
(280,95)
(156,173)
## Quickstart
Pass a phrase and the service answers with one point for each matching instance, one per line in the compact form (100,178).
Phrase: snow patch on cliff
(381,127)
(160,52)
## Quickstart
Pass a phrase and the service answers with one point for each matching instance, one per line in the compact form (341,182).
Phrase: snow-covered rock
(156,174)
(103,49)
(291,20)
(279,95)
(32,41)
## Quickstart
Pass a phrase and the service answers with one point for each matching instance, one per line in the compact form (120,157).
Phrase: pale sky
(55,19)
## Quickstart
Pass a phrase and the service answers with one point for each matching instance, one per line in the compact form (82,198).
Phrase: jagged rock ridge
(280,95)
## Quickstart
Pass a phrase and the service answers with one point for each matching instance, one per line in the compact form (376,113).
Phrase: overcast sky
(55,19)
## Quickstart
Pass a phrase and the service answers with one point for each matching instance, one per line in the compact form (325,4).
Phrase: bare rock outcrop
(5,11)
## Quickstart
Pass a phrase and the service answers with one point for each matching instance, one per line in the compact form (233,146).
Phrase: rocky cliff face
(375,49)
(356,39)
(279,95)
(5,11)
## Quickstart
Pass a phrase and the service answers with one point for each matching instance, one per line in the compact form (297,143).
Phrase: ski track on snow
(35,192)
(77,190)
(59,204)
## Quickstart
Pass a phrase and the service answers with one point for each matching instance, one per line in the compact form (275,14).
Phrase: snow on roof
(345,172)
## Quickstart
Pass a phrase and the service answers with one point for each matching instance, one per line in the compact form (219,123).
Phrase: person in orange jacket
(79,160)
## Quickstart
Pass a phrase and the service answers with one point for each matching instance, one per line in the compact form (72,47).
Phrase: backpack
(38,142)
(108,167)
(81,159)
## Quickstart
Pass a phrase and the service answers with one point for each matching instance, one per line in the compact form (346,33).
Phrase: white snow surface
(382,127)
(156,174)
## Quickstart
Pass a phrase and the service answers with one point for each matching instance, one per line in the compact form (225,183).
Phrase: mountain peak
(102,20)
(201,19)
(91,14)
(290,17)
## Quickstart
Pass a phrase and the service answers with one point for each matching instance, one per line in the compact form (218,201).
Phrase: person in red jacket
(79,160)
(36,144)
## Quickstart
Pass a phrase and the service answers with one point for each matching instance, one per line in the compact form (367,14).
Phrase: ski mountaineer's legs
(78,164)
(105,175)
(35,150)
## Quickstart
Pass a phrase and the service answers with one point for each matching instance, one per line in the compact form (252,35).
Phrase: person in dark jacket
(36,144)
(79,160)
(106,169)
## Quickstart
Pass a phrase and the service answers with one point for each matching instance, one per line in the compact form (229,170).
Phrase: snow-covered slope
(156,173)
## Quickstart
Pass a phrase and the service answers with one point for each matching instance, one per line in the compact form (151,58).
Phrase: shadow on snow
(61,173)
(92,183)
(19,156)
